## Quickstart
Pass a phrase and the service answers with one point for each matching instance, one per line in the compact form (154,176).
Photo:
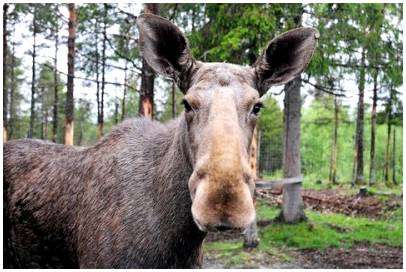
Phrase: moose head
(222,102)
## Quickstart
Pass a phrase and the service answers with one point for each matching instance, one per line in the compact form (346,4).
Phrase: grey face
(222,102)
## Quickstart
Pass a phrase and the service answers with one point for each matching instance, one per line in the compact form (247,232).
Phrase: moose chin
(146,195)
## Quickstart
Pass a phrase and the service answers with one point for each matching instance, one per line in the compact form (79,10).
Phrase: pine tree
(146,105)
(69,106)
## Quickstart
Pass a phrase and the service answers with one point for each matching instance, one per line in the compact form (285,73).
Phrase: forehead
(224,74)
(213,78)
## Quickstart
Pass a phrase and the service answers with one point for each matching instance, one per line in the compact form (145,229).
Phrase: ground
(343,230)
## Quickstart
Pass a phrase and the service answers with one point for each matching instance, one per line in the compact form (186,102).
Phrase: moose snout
(219,205)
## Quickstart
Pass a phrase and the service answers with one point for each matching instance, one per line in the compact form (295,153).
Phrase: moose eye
(257,107)
(186,105)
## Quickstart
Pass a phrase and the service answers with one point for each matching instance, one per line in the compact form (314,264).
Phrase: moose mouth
(223,226)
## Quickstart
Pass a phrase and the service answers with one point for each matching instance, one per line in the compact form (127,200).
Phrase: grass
(330,230)
(321,231)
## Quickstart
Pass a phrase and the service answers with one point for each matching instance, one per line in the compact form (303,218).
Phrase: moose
(146,195)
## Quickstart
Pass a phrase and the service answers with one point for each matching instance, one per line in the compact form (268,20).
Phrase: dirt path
(359,256)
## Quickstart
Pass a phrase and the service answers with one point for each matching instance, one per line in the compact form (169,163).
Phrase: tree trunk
(34,53)
(100,120)
(293,209)
(11,121)
(386,169)
(359,138)
(389,123)
(333,165)
(354,162)
(116,105)
(124,92)
(146,105)
(55,106)
(5,64)
(42,113)
(372,165)
(69,109)
(80,136)
(97,79)
(394,157)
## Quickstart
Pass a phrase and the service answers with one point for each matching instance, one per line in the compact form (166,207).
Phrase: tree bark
(96,38)
(69,107)
(100,124)
(116,105)
(42,112)
(146,105)
(123,113)
(11,121)
(292,209)
(372,165)
(5,68)
(34,53)
(394,181)
(389,123)
(55,106)
(359,139)
(333,165)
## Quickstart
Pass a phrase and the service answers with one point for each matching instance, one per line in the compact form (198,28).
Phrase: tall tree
(374,58)
(97,68)
(359,130)
(12,87)
(146,105)
(46,87)
(13,78)
(333,163)
(372,163)
(100,119)
(5,67)
(69,106)
(56,83)
(33,79)
(292,208)
(394,181)
(125,88)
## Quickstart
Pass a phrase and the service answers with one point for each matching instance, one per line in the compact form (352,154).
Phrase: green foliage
(316,141)
(166,114)
(270,126)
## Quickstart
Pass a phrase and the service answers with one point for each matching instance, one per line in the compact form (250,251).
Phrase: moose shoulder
(146,195)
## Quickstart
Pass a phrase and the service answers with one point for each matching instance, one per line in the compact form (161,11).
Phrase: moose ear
(166,49)
(285,57)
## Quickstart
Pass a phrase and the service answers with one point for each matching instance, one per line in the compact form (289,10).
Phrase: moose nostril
(200,174)
(222,227)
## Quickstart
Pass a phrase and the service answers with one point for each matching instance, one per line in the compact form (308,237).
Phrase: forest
(71,72)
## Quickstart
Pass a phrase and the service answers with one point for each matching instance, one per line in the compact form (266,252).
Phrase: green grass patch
(227,246)
(321,231)
(332,230)
(265,212)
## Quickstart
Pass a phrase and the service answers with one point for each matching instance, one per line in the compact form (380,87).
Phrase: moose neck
(171,194)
